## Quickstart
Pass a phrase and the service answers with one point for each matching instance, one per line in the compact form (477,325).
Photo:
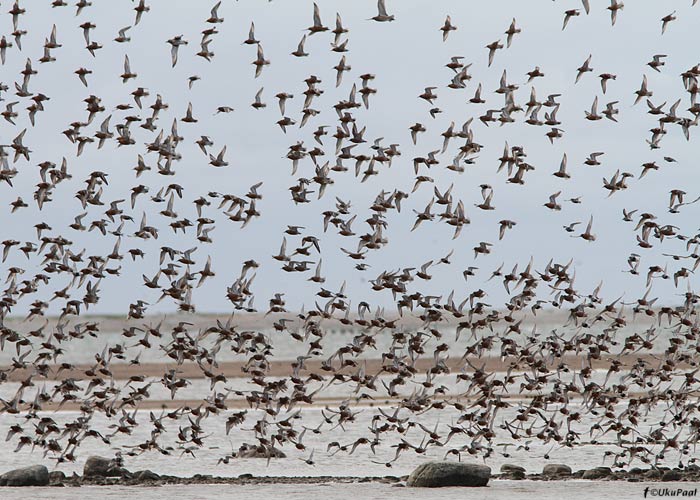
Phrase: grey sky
(406,56)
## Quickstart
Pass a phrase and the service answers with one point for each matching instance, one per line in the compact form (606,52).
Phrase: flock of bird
(549,393)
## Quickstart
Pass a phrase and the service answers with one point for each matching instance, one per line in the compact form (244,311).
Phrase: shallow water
(362,462)
(496,490)
(196,387)
(286,348)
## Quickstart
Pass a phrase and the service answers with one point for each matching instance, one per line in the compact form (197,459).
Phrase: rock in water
(439,474)
(510,471)
(102,467)
(56,477)
(671,475)
(597,473)
(510,468)
(36,475)
(653,474)
(556,470)
(145,476)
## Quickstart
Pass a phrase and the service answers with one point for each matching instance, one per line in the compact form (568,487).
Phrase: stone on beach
(597,473)
(671,475)
(653,474)
(35,475)
(146,475)
(102,467)
(439,474)
(556,470)
(511,471)
(57,476)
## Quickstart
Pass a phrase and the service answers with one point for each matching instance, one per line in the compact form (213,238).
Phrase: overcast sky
(406,56)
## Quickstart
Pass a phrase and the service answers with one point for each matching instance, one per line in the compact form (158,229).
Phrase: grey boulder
(597,473)
(671,475)
(556,470)
(440,474)
(35,475)
(56,477)
(514,472)
(653,474)
(145,476)
(510,468)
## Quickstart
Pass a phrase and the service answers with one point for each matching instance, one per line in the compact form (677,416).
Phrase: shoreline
(147,478)
(285,368)
(280,369)
(319,402)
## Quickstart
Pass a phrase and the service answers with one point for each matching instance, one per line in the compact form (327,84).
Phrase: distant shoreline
(279,369)
(284,368)
(112,322)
